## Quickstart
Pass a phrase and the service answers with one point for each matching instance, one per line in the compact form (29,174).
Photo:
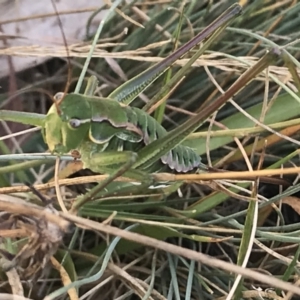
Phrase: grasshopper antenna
(58,100)
(37,193)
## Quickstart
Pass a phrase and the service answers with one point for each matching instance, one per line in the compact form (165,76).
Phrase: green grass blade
(22,117)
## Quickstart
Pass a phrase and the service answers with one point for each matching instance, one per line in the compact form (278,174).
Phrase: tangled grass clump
(189,240)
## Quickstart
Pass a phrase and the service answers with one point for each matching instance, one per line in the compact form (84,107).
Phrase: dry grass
(184,243)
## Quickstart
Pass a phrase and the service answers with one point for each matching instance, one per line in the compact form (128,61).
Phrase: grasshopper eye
(74,123)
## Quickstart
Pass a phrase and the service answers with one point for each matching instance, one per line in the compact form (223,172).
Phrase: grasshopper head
(65,130)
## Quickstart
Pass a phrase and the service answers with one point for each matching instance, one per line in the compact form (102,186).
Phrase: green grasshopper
(97,127)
